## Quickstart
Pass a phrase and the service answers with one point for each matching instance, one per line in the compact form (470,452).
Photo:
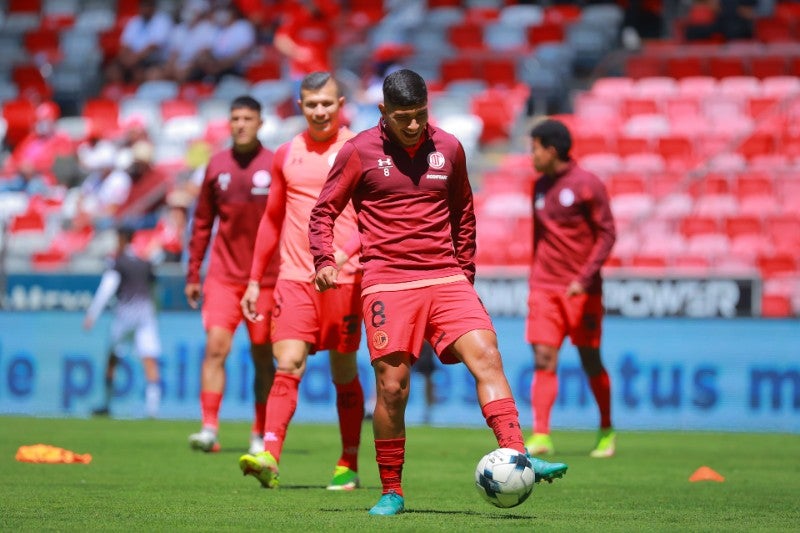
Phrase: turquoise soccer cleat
(390,503)
(545,471)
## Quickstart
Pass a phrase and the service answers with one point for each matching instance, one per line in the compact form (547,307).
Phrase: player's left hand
(575,289)
(326,278)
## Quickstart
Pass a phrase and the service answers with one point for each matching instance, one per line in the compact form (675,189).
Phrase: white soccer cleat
(204,440)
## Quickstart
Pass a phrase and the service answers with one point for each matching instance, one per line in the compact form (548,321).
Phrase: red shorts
(329,320)
(398,321)
(221,308)
(552,316)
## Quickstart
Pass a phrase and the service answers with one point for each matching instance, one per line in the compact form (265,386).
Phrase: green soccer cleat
(390,503)
(261,466)
(344,479)
(545,471)
(540,444)
(606,444)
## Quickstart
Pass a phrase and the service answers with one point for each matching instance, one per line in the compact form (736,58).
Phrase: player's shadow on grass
(441,512)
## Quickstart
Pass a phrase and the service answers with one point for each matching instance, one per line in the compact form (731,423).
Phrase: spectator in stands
(572,238)
(721,19)
(191,37)
(134,131)
(233,45)
(102,193)
(31,163)
(305,35)
(143,44)
(149,188)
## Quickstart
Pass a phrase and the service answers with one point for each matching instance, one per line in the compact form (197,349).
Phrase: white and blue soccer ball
(504,477)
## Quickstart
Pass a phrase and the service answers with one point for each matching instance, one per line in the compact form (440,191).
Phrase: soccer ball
(504,477)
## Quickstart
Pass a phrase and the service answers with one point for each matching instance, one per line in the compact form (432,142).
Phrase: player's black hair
(404,88)
(316,81)
(247,102)
(553,133)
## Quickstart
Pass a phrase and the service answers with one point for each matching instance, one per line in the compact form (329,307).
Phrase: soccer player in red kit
(573,233)
(303,320)
(408,183)
(234,195)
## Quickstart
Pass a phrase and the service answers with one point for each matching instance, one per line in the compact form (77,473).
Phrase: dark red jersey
(415,214)
(573,230)
(234,193)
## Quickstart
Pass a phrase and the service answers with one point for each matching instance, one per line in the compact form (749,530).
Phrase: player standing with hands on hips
(573,233)
(303,320)
(234,195)
(408,183)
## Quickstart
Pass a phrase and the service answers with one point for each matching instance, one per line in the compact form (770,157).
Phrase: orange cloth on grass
(44,453)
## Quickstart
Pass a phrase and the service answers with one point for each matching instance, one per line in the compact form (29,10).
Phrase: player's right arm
(267,237)
(202,226)
(336,193)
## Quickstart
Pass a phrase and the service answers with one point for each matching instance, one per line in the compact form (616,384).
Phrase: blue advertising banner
(736,375)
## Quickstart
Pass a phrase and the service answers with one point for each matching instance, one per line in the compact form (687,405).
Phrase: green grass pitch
(144,477)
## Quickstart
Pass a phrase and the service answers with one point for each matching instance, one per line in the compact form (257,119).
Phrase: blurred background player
(305,321)
(573,233)
(409,185)
(131,279)
(233,195)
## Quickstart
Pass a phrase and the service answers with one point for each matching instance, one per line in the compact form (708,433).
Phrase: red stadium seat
(639,106)
(738,225)
(753,184)
(50,260)
(103,114)
(627,145)
(776,306)
(720,66)
(776,264)
(267,69)
(42,41)
(24,6)
(665,183)
(109,41)
(685,66)
(698,225)
(30,82)
(784,231)
(500,71)
(583,144)
(644,66)
(626,183)
(177,108)
(562,13)
(458,68)
(194,91)
(709,184)
(466,36)
(19,115)
(773,30)
(545,33)
(29,221)
(759,143)
(766,65)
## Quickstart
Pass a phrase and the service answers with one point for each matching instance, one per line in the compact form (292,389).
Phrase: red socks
(281,405)
(502,416)
(544,389)
(209,409)
(390,455)
(350,407)
(601,388)
(259,418)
